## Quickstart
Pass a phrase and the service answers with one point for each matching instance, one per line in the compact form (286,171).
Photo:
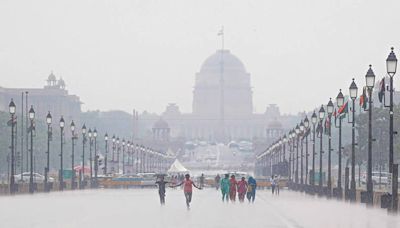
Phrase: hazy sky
(144,54)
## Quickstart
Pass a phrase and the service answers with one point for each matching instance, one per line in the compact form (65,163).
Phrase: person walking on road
(202,181)
(251,190)
(233,188)
(187,189)
(276,180)
(242,188)
(272,181)
(161,189)
(225,186)
(217,180)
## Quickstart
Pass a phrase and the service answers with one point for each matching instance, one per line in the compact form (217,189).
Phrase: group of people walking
(230,188)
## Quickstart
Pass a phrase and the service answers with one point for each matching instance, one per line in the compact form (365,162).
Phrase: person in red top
(233,188)
(242,188)
(187,189)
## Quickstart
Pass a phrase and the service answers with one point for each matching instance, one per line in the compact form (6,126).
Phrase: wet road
(140,208)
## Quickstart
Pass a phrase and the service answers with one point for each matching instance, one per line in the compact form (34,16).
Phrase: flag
(327,126)
(363,99)
(9,122)
(319,128)
(381,92)
(343,110)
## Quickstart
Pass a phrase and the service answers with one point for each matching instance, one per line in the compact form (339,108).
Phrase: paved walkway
(140,208)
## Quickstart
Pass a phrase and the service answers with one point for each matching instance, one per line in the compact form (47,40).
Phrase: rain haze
(212,113)
(144,54)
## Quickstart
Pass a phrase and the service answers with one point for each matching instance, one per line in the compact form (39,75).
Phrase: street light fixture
(31,118)
(353,95)
(90,135)
(61,173)
(391,67)
(12,110)
(370,82)
(96,158)
(72,126)
(306,125)
(314,120)
(49,120)
(340,103)
(321,117)
(106,153)
(82,178)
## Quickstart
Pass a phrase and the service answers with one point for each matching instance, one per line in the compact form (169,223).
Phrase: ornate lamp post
(90,156)
(106,153)
(12,110)
(297,131)
(82,179)
(31,118)
(370,82)
(123,156)
(73,137)
(340,103)
(353,95)
(113,154)
(61,173)
(96,158)
(301,154)
(314,121)
(391,67)
(321,118)
(49,136)
(306,126)
(118,150)
(329,110)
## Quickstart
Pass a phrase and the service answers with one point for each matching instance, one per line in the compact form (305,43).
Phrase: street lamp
(72,126)
(353,95)
(123,156)
(12,110)
(96,158)
(340,103)
(49,119)
(321,118)
(301,153)
(106,153)
(314,121)
(61,174)
(370,82)
(31,118)
(90,156)
(306,126)
(118,150)
(329,109)
(113,153)
(391,66)
(82,179)
(297,131)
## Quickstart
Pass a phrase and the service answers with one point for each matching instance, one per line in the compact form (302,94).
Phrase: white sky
(129,54)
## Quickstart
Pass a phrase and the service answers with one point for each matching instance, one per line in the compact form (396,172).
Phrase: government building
(222,108)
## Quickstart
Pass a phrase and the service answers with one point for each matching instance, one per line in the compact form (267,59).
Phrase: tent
(177,167)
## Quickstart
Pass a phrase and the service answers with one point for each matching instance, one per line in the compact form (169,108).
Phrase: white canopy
(177,167)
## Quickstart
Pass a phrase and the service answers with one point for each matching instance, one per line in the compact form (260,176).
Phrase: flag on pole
(327,126)
(319,128)
(381,92)
(343,110)
(363,99)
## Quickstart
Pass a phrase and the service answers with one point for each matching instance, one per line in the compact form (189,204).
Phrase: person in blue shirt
(251,189)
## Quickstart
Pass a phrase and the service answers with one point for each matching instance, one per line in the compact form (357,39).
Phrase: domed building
(222,105)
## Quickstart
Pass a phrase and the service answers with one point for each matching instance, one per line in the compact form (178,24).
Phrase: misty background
(120,55)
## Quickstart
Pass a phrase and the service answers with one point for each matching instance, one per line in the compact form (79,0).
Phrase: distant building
(52,97)
(222,106)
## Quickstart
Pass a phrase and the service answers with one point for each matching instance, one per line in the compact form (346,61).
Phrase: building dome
(51,77)
(160,124)
(61,83)
(230,62)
